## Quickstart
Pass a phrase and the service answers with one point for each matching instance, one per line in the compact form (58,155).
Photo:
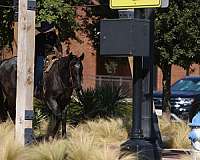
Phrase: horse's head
(76,70)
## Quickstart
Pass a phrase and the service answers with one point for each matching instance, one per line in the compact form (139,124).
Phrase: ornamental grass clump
(110,131)
(93,140)
(9,148)
(54,150)
(81,146)
(86,144)
(108,153)
(180,139)
(174,134)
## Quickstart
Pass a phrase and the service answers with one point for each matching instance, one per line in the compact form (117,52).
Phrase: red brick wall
(6,53)
(89,62)
(83,44)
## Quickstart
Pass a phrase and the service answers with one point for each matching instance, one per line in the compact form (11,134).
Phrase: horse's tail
(3,113)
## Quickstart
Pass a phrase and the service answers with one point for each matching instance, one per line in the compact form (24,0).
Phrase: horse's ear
(81,57)
(70,55)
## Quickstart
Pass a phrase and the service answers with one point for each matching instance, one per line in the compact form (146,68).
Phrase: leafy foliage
(102,102)
(176,39)
(177,33)
(97,13)
(6,18)
(61,13)
(41,112)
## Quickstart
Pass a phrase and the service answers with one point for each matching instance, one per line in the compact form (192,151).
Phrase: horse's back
(8,77)
(52,81)
(8,72)
(8,65)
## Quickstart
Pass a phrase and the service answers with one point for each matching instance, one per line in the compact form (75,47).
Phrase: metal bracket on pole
(29,114)
(126,13)
(16,4)
(32,5)
(28,136)
(16,16)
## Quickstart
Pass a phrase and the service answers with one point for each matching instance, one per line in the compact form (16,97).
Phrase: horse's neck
(64,69)
(64,63)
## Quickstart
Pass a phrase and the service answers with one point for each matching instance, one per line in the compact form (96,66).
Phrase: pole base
(143,150)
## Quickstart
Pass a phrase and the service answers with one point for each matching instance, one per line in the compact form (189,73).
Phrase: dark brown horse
(8,76)
(64,76)
(45,45)
(59,81)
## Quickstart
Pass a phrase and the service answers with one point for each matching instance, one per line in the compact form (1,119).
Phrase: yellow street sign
(125,4)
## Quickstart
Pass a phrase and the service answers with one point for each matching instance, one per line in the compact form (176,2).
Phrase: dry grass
(83,144)
(175,133)
(106,131)
(9,149)
(55,150)
(187,157)
(92,140)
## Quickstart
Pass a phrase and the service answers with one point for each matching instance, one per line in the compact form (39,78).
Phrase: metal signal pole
(142,144)
(25,71)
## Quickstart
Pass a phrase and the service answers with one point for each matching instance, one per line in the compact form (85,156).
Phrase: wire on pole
(4,6)
(13,7)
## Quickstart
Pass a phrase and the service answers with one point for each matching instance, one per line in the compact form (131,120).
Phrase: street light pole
(143,148)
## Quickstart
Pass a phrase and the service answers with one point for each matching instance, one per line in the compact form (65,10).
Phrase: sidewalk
(176,154)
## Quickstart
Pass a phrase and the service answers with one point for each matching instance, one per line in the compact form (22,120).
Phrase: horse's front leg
(55,118)
(53,126)
(64,113)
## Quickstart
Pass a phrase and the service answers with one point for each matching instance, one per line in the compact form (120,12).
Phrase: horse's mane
(7,59)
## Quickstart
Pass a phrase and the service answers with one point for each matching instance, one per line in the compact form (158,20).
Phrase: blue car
(184,93)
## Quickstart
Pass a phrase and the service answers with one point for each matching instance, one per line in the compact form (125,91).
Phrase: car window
(198,86)
(186,85)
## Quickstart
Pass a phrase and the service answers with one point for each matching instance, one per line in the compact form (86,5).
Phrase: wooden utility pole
(25,71)
(14,44)
(15,39)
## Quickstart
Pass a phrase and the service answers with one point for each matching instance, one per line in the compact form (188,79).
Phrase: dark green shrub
(41,112)
(106,101)
(102,102)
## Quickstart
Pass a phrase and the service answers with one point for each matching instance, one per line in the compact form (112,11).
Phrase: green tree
(6,18)
(99,12)
(61,13)
(176,39)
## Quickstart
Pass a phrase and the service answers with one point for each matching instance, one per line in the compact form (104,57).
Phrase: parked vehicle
(195,107)
(183,95)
